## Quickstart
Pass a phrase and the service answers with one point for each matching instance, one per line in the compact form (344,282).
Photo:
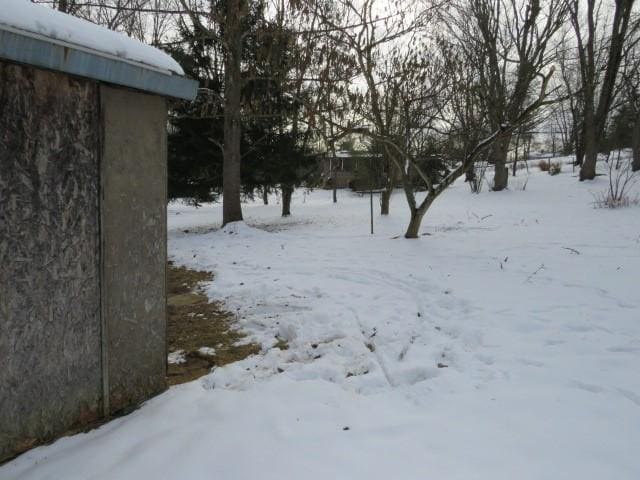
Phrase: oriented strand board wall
(49,259)
(134,182)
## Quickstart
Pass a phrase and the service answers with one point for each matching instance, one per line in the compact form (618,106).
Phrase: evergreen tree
(274,148)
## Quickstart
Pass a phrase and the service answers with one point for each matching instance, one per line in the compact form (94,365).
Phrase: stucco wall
(134,223)
(49,258)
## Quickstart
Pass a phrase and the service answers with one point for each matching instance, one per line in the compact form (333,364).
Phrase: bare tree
(64,6)
(599,58)
(416,91)
(151,21)
(508,43)
(567,113)
(383,74)
(630,93)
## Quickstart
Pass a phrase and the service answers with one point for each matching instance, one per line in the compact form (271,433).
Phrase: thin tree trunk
(334,161)
(515,159)
(287,191)
(231,183)
(265,195)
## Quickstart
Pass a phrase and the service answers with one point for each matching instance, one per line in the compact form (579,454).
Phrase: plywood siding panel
(49,255)
(134,242)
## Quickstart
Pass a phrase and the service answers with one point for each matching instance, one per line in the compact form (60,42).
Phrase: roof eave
(24,48)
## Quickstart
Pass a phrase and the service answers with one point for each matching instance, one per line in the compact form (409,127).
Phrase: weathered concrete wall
(49,255)
(134,186)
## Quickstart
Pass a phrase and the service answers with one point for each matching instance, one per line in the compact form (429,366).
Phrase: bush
(555,168)
(543,165)
(605,200)
(476,180)
(621,179)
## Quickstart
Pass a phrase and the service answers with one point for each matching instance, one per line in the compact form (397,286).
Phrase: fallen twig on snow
(541,267)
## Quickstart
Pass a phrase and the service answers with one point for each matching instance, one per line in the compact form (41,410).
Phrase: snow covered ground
(503,344)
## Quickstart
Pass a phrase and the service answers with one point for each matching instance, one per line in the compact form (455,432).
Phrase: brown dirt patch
(195,322)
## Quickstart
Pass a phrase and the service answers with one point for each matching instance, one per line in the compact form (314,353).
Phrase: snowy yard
(503,344)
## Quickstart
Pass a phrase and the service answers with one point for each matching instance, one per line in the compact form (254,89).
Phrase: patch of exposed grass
(184,280)
(195,322)
(282,344)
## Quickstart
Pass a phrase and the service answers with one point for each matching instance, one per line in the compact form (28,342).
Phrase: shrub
(475,183)
(555,168)
(543,165)
(621,179)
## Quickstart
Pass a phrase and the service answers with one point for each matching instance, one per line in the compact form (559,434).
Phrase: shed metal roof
(54,54)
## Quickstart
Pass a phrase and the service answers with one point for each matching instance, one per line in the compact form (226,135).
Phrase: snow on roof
(38,21)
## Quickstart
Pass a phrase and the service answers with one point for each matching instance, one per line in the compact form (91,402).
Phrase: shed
(83,116)
(342,167)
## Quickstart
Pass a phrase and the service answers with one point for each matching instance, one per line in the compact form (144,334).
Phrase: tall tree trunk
(231,182)
(334,185)
(635,165)
(588,168)
(515,159)
(579,148)
(265,195)
(390,183)
(385,200)
(470,173)
(499,156)
(287,191)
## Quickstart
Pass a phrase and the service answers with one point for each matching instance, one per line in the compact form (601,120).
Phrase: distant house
(83,115)
(345,168)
